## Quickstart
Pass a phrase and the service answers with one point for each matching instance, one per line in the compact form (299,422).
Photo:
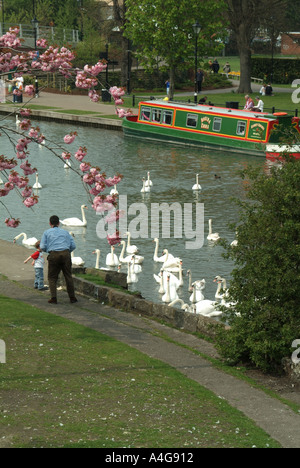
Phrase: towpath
(156,340)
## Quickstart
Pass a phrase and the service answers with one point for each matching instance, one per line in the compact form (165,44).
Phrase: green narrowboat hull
(213,127)
(173,136)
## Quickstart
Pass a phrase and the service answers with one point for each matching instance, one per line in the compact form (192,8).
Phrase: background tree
(264,314)
(245,18)
(164,29)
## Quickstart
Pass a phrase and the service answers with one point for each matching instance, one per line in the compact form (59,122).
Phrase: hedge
(284,70)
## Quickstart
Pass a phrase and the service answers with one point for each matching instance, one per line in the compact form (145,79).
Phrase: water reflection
(172,170)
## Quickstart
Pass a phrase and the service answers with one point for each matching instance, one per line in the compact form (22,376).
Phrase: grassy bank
(65,385)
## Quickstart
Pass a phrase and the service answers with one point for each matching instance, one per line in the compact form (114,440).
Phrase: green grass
(65,385)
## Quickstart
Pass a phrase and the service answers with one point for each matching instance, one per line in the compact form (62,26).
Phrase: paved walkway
(146,335)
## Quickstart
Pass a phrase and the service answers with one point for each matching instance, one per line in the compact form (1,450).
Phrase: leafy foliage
(265,317)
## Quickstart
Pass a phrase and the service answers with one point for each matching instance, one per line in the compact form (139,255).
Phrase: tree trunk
(245,60)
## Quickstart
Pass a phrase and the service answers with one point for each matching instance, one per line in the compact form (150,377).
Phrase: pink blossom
(27,192)
(68,139)
(7,164)
(12,222)
(25,124)
(42,43)
(25,112)
(27,169)
(113,181)
(94,96)
(85,167)
(29,89)
(114,238)
(23,181)
(81,153)
(66,156)
(31,201)
(114,216)
(14,177)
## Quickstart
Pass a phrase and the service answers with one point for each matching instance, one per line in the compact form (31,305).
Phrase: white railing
(45,32)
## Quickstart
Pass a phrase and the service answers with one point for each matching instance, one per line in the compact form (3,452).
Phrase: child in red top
(38,263)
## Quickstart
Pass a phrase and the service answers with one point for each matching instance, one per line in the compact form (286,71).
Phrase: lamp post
(35,24)
(197,29)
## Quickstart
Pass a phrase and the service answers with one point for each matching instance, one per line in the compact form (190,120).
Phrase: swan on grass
(145,188)
(131,249)
(28,241)
(76,221)
(37,185)
(196,186)
(212,236)
(111,258)
(148,182)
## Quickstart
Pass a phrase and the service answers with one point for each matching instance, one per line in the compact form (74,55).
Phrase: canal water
(173,172)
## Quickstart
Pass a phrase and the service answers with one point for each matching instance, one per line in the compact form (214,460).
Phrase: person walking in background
(38,262)
(199,79)
(168,87)
(59,244)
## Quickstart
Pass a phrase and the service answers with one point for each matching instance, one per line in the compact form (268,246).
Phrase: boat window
(192,120)
(145,113)
(241,128)
(167,117)
(156,115)
(217,124)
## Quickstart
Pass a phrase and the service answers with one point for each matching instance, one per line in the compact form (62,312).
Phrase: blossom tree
(16,171)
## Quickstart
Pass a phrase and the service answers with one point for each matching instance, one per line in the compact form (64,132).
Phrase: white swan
(37,185)
(111,258)
(145,188)
(234,243)
(189,274)
(136,268)
(98,252)
(31,241)
(138,258)
(1,181)
(76,221)
(148,182)
(131,275)
(196,186)
(155,257)
(170,260)
(18,121)
(219,294)
(114,191)
(213,236)
(160,280)
(77,261)
(131,249)
(184,306)
(67,164)
(207,308)
(171,293)
(197,294)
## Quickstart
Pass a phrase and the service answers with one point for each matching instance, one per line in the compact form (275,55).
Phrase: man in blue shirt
(59,244)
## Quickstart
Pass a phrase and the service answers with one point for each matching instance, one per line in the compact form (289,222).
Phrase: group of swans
(198,304)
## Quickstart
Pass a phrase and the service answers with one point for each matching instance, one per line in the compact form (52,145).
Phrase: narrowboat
(219,128)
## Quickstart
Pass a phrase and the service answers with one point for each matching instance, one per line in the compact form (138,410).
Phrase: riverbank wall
(135,303)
